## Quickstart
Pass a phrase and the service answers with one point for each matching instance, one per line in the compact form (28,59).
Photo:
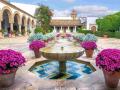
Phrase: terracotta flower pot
(105,36)
(7,80)
(111,79)
(89,53)
(37,53)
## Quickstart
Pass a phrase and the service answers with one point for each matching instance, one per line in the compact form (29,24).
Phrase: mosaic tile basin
(49,69)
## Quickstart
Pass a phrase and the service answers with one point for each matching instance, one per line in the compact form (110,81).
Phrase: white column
(68,30)
(61,29)
(11,26)
(26,29)
(54,29)
(0,25)
(20,29)
(75,28)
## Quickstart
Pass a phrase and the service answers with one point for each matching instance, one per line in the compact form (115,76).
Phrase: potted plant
(89,47)
(35,46)
(10,61)
(105,34)
(109,61)
(90,37)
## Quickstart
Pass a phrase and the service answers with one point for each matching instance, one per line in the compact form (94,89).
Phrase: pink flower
(109,60)
(9,60)
(89,45)
(36,45)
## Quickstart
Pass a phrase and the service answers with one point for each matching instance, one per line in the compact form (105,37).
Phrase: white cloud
(93,10)
(59,13)
(70,1)
(88,10)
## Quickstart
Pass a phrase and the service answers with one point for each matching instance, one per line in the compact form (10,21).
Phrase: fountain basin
(62,53)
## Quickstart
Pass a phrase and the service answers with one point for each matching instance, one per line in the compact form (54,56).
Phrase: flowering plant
(109,60)
(36,45)
(58,35)
(10,60)
(68,35)
(89,45)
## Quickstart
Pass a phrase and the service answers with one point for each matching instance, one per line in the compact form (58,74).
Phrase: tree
(43,15)
(109,23)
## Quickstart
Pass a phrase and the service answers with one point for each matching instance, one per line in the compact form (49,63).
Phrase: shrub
(38,30)
(79,36)
(36,45)
(10,60)
(89,45)
(109,60)
(38,36)
(84,31)
(117,34)
(90,37)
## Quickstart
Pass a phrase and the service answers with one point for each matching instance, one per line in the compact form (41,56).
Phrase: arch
(16,13)
(28,25)
(94,28)
(6,20)
(6,8)
(33,23)
(23,25)
(16,23)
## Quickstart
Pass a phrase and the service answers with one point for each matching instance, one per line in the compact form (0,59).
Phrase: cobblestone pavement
(26,80)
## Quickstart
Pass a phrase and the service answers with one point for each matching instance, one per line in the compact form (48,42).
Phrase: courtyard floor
(26,80)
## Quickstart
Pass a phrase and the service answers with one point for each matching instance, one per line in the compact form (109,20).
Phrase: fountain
(62,52)
(61,55)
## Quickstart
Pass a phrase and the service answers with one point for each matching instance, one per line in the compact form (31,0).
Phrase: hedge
(84,31)
(101,33)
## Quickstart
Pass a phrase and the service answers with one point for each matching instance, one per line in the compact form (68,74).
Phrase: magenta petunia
(89,45)
(36,45)
(109,60)
(10,60)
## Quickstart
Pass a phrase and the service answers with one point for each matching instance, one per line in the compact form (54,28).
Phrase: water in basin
(50,70)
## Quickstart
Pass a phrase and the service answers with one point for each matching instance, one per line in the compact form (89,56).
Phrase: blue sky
(84,7)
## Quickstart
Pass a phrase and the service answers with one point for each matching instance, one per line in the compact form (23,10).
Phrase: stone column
(26,29)
(19,28)
(75,28)
(0,29)
(68,30)
(61,30)
(0,25)
(11,27)
(54,29)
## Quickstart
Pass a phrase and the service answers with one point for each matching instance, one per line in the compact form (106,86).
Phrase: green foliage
(79,30)
(90,37)
(43,15)
(2,31)
(117,35)
(38,30)
(102,33)
(110,23)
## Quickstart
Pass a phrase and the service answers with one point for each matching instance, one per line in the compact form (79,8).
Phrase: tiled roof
(65,23)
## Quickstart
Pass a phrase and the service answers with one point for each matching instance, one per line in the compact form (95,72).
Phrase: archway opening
(28,27)
(23,25)
(16,25)
(93,28)
(33,23)
(6,23)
